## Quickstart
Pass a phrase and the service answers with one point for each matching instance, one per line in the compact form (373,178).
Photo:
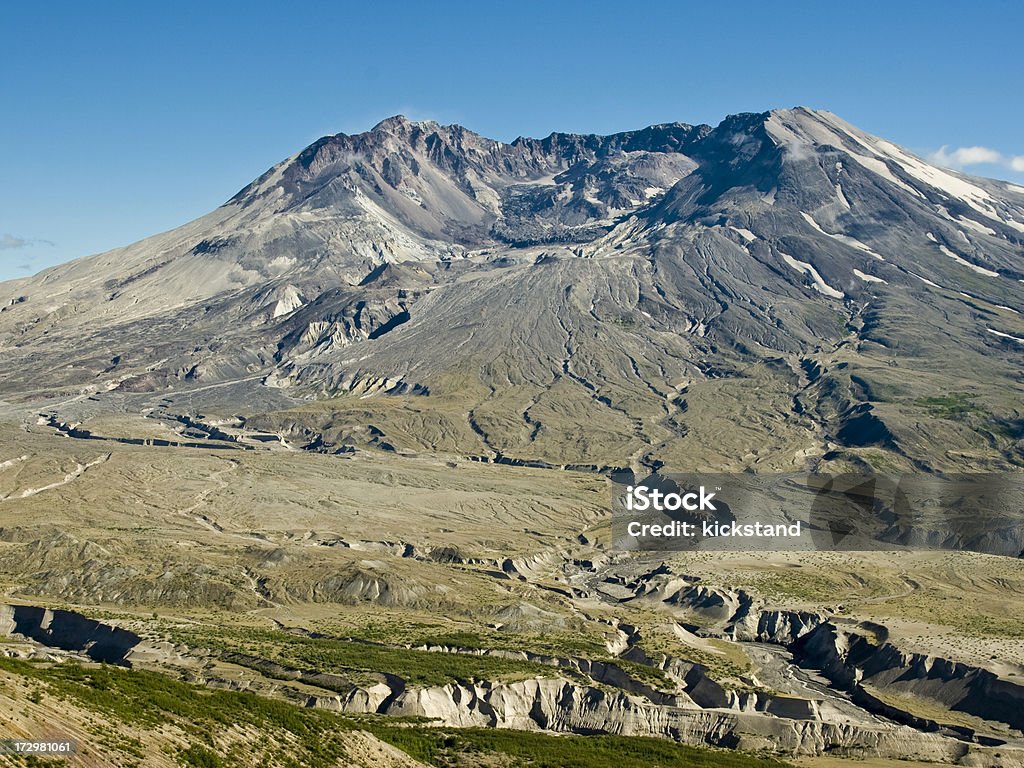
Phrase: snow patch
(955,186)
(823,128)
(1013,224)
(868,278)
(819,283)
(964,263)
(924,280)
(281,263)
(974,196)
(840,196)
(1005,335)
(881,169)
(845,239)
(746,234)
(976,226)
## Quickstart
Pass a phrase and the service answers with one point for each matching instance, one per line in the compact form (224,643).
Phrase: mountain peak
(800,116)
(401,124)
(413,257)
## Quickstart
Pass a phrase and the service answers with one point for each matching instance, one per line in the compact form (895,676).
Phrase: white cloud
(969,156)
(962,157)
(9,242)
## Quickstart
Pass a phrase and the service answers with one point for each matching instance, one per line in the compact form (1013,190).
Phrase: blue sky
(120,120)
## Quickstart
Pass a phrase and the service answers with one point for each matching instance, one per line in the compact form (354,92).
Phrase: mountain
(779,290)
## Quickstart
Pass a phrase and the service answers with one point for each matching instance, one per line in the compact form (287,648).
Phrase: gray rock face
(853,661)
(414,257)
(445,182)
(703,714)
(857,658)
(69,631)
(558,705)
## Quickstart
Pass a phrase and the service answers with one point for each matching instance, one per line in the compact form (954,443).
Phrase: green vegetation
(927,708)
(353,657)
(369,654)
(955,405)
(415,634)
(305,737)
(438,746)
(787,586)
(881,461)
(953,611)
(289,736)
(651,676)
(198,756)
(726,668)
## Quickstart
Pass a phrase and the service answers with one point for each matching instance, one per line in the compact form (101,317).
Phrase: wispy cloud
(9,242)
(963,157)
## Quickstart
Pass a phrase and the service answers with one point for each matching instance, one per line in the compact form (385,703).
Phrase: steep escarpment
(69,631)
(857,662)
(613,703)
(857,658)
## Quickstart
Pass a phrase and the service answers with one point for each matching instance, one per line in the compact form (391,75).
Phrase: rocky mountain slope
(267,451)
(779,289)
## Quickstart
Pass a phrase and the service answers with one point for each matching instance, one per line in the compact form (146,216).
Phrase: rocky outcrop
(80,433)
(858,659)
(563,706)
(736,614)
(69,631)
(775,626)
(700,712)
(712,605)
(853,661)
